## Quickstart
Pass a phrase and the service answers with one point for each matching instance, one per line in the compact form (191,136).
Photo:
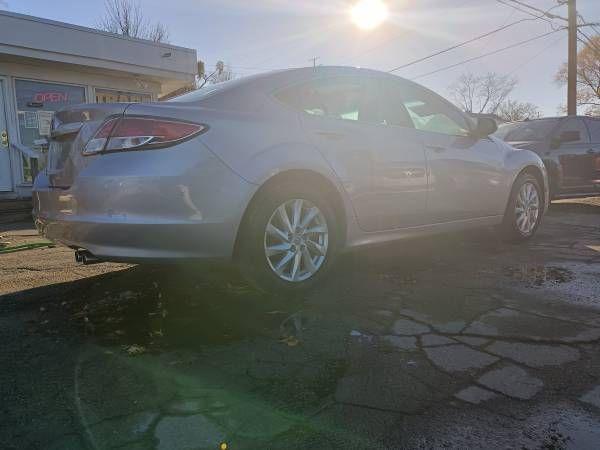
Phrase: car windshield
(534,130)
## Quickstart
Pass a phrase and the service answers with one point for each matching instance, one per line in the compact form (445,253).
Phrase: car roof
(299,74)
(274,80)
(556,118)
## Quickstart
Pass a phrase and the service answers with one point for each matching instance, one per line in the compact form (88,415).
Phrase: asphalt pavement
(454,341)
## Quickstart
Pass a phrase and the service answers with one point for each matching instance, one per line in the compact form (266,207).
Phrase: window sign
(36,104)
(111,96)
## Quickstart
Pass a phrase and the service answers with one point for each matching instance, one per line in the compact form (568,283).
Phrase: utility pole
(314,61)
(572,63)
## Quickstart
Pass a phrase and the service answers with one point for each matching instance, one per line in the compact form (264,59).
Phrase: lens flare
(369,14)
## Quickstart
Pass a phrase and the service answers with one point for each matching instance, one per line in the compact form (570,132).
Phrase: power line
(394,37)
(588,41)
(544,13)
(461,44)
(532,58)
(543,16)
(511,13)
(489,53)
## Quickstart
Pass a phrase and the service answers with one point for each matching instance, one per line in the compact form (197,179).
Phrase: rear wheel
(524,212)
(289,240)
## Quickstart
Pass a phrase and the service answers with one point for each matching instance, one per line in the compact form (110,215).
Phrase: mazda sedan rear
(280,173)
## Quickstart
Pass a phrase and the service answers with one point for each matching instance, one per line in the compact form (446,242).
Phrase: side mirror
(485,127)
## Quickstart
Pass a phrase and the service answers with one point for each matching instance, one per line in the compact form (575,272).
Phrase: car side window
(432,114)
(577,126)
(342,98)
(594,127)
(391,105)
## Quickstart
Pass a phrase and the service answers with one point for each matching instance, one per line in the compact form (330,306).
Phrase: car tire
(525,209)
(256,242)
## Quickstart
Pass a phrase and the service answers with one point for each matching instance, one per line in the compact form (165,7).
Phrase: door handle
(330,135)
(4,138)
(436,148)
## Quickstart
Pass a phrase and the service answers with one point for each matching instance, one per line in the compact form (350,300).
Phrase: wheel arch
(330,190)
(538,174)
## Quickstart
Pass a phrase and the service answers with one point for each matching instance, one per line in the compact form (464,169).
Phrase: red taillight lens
(137,133)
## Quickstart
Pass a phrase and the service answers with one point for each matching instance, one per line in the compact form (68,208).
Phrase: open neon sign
(50,97)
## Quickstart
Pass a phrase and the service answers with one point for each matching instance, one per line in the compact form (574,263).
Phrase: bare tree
(588,76)
(481,93)
(513,111)
(125,17)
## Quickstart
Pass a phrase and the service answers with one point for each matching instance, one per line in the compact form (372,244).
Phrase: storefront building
(46,65)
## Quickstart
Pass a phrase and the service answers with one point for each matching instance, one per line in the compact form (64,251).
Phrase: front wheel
(524,211)
(289,240)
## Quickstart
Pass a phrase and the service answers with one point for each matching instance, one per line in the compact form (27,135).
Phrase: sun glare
(369,14)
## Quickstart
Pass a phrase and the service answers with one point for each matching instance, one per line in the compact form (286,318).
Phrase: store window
(112,96)
(36,104)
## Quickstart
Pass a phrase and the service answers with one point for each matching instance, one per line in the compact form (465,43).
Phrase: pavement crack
(381,409)
(544,316)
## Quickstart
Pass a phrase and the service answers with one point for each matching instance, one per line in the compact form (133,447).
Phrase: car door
(466,173)
(571,146)
(387,187)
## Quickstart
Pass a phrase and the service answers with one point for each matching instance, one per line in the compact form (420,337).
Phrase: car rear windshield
(534,130)
(202,93)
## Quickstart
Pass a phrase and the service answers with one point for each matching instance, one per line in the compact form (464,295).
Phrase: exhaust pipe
(85,257)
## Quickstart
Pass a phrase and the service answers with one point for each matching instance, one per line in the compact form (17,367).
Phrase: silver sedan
(280,172)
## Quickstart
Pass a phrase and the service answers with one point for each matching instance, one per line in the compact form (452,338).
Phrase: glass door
(37,101)
(5,172)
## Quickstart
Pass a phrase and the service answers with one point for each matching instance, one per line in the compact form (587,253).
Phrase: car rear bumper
(120,210)
(141,242)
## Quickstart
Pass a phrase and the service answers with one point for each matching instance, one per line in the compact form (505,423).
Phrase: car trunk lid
(71,129)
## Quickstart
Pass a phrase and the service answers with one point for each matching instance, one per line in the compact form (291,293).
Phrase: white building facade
(46,65)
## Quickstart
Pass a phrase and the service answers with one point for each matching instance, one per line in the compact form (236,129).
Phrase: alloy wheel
(296,240)
(527,208)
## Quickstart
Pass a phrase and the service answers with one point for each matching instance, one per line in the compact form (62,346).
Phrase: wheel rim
(527,208)
(296,240)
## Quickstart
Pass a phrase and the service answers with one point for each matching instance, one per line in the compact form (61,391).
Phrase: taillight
(138,133)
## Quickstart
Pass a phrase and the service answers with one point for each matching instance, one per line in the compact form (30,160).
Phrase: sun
(369,14)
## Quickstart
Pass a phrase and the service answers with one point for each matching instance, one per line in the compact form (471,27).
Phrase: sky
(261,35)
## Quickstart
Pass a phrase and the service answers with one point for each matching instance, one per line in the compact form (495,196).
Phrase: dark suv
(569,147)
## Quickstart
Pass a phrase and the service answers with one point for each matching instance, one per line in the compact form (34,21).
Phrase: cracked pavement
(457,341)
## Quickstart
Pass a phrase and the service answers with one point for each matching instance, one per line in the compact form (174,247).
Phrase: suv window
(532,130)
(575,124)
(337,98)
(432,114)
(594,127)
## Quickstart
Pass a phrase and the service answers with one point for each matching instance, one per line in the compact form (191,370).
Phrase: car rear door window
(343,98)
(533,130)
(575,125)
(391,105)
(594,127)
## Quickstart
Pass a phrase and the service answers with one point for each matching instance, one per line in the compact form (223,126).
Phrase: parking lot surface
(458,341)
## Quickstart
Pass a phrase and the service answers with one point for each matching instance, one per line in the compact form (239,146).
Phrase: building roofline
(93,30)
